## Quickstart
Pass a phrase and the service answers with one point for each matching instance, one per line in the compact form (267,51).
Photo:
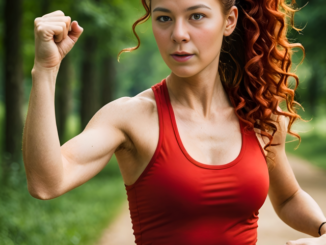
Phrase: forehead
(183,5)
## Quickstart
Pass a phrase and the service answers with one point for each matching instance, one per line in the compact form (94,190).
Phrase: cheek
(163,43)
(208,41)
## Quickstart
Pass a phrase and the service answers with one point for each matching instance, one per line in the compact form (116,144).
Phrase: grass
(77,217)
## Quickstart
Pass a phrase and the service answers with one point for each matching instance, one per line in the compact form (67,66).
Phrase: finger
(55,13)
(56,18)
(64,28)
(65,19)
(76,31)
(55,31)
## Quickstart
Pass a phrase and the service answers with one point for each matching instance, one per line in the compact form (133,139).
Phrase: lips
(181,53)
(182,58)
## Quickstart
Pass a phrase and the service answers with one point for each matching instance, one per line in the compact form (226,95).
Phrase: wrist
(44,78)
(38,68)
(323,229)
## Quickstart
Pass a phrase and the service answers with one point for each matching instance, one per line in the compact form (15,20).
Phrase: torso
(205,140)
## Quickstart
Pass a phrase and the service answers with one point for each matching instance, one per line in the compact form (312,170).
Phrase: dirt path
(271,230)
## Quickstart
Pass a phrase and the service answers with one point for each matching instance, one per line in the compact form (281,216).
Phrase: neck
(199,93)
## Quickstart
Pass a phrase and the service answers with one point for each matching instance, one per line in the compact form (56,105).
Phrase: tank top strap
(165,125)
(166,112)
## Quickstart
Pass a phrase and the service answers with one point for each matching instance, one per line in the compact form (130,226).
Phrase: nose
(180,32)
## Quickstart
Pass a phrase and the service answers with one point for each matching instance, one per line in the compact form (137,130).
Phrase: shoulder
(126,110)
(130,115)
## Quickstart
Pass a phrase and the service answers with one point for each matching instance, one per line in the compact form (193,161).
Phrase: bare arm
(53,170)
(302,213)
(294,206)
(41,146)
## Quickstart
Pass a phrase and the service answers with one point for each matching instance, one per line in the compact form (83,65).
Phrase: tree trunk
(13,76)
(108,80)
(89,86)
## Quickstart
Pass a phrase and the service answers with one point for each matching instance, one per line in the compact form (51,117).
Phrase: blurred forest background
(91,77)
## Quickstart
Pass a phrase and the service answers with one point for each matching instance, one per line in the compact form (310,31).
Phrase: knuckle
(37,20)
(60,12)
(39,29)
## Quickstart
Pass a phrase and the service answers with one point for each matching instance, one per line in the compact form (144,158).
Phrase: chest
(214,142)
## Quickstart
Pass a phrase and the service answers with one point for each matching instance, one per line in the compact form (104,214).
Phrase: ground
(271,230)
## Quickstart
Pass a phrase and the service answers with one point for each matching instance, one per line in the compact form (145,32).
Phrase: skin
(207,124)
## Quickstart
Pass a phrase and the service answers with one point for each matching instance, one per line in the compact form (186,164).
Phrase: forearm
(302,213)
(41,145)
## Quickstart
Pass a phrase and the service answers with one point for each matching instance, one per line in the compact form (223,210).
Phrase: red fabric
(178,200)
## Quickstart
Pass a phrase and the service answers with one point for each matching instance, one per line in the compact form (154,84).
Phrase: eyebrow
(188,9)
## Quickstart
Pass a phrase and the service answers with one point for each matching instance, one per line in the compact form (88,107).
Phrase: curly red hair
(255,61)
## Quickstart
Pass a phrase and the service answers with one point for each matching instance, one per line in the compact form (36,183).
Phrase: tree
(98,71)
(312,19)
(13,83)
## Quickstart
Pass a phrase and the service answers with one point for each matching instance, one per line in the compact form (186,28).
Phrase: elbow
(41,195)
(278,208)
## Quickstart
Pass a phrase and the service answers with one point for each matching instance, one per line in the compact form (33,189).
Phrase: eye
(198,15)
(162,17)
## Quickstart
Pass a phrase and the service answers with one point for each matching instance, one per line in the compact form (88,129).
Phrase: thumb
(76,31)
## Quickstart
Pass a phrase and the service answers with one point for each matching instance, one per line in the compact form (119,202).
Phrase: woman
(200,150)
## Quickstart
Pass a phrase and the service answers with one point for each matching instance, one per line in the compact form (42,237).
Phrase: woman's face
(193,26)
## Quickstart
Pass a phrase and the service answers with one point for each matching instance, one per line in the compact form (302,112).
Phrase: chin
(183,73)
(183,70)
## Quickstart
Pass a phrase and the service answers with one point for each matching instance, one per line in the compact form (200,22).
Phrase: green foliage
(153,70)
(312,89)
(2,112)
(313,144)
(77,217)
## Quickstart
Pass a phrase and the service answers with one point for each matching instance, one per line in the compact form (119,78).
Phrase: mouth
(181,54)
(182,57)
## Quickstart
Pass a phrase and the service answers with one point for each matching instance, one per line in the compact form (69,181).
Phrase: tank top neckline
(183,149)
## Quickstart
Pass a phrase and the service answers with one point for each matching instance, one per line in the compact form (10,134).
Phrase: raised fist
(55,36)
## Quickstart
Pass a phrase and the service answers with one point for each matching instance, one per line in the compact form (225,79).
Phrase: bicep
(87,154)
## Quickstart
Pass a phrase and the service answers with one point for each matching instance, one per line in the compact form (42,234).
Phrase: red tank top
(180,201)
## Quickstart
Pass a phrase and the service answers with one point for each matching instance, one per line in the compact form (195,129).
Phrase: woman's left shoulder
(281,124)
